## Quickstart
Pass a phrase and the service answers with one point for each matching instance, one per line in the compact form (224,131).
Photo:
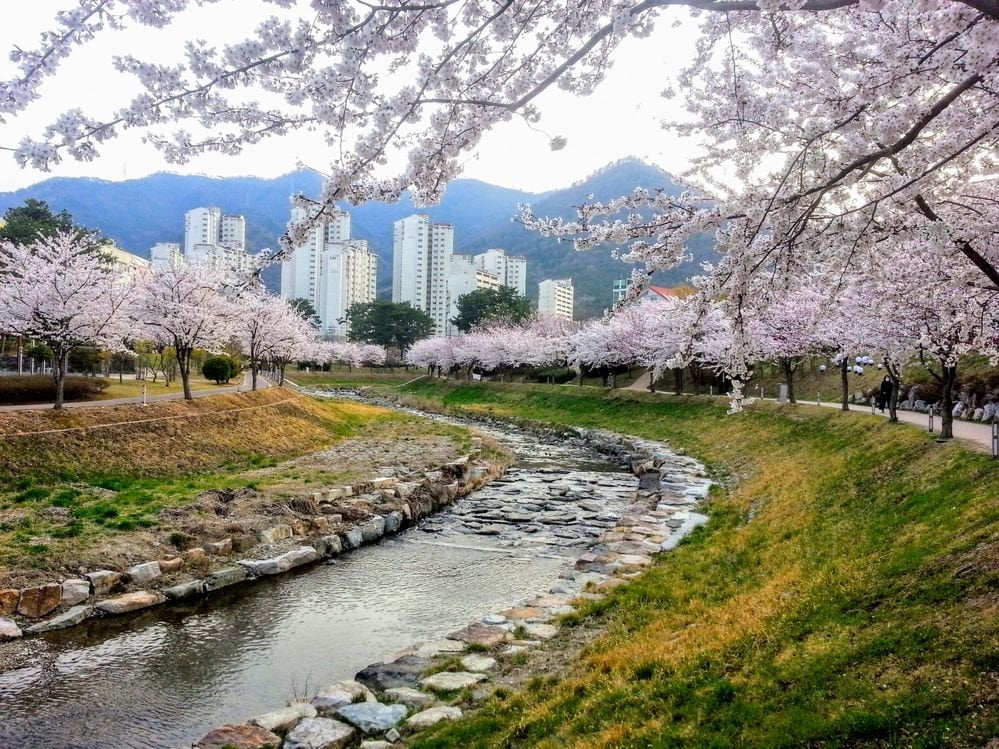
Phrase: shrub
(41,388)
(219,368)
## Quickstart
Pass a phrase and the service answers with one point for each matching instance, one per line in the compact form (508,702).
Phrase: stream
(164,677)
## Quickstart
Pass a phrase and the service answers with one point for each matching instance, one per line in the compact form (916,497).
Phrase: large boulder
(224,578)
(414,699)
(289,560)
(143,573)
(319,733)
(37,602)
(75,591)
(480,634)
(104,581)
(402,672)
(372,717)
(244,736)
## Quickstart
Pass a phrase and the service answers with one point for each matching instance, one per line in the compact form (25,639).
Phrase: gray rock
(328,699)
(75,591)
(221,548)
(9,630)
(352,539)
(434,647)
(375,744)
(143,573)
(275,566)
(286,718)
(319,733)
(393,735)
(432,716)
(372,717)
(450,681)
(393,522)
(185,590)
(373,529)
(493,619)
(224,578)
(478,663)
(68,618)
(402,672)
(414,699)
(541,631)
(129,602)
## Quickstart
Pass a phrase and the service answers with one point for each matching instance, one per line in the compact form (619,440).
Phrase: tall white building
(421,264)
(201,226)
(511,270)
(216,239)
(555,296)
(232,231)
(466,276)
(331,270)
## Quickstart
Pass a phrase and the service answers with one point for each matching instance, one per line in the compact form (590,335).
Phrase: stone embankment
(318,526)
(437,681)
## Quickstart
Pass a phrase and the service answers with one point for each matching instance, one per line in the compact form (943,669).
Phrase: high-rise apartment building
(166,255)
(201,226)
(331,270)
(620,290)
(556,296)
(511,270)
(421,263)
(216,239)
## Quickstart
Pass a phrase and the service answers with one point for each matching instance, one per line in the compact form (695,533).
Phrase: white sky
(620,119)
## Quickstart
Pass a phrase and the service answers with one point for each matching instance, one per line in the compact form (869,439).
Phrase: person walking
(884,393)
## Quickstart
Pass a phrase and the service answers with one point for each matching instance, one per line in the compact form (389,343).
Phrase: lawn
(844,594)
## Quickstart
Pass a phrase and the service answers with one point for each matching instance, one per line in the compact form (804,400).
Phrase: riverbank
(112,487)
(844,592)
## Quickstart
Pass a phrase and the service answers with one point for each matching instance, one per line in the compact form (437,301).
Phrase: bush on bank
(845,593)
(15,389)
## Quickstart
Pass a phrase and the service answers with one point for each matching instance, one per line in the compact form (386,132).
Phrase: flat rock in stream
(450,681)
(479,634)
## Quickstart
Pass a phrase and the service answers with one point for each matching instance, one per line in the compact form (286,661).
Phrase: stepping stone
(411,698)
(478,663)
(450,681)
(432,717)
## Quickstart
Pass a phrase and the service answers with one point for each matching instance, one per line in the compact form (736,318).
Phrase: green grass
(844,593)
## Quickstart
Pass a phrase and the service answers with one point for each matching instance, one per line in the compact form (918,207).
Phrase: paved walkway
(243,387)
(978,435)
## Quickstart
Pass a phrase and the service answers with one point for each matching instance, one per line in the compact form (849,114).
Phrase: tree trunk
(281,374)
(60,361)
(844,379)
(652,381)
(253,374)
(896,382)
(20,355)
(947,407)
(788,366)
(678,380)
(184,364)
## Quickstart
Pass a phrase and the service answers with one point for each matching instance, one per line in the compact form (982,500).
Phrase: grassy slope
(844,593)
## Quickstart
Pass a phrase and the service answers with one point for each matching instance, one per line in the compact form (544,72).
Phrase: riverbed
(163,678)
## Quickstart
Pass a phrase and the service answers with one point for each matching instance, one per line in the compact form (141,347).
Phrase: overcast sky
(621,119)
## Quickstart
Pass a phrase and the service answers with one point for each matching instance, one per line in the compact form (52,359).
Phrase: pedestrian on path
(884,393)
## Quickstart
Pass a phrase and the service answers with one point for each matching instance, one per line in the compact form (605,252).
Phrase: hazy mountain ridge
(138,213)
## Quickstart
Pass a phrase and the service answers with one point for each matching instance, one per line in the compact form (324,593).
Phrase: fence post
(931,419)
(995,439)
(144,394)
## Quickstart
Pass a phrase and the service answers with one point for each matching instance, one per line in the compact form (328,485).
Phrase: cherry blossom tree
(264,323)
(59,290)
(185,306)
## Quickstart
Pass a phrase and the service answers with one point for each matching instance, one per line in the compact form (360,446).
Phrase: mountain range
(138,213)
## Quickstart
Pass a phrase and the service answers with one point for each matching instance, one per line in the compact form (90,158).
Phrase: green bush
(220,369)
(41,388)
